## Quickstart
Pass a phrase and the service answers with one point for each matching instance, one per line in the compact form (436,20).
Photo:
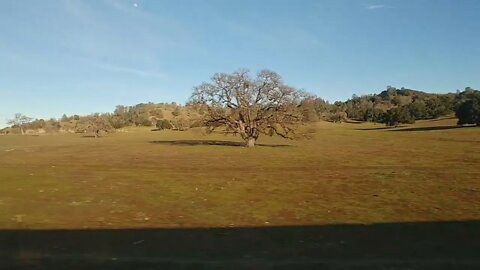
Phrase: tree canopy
(20,121)
(250,106)
(468,108)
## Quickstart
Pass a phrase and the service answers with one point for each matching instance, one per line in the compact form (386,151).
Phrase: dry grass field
(347,174)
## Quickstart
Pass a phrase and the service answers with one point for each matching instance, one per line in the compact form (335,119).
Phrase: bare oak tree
(250,107)
(20,121)
(95,125)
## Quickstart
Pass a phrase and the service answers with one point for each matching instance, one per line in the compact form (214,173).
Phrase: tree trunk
(250,142)
(21,130)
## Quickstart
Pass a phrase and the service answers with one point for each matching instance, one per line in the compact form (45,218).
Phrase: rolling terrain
(347,173)
(355,196)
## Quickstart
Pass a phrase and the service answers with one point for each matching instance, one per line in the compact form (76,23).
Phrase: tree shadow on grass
(402,128)
(442,118)
(215,143)
(416,245)
(375,128)
(431,128)
(353,121)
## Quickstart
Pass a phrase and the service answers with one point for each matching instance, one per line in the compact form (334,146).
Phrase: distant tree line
(467,107)
(160,116)
(396,106)
(391,107)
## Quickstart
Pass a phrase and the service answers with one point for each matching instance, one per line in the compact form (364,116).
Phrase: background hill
(392,107)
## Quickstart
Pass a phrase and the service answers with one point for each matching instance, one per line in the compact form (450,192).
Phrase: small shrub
(164,124)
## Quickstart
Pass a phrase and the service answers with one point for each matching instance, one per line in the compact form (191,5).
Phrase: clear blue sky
(88,56)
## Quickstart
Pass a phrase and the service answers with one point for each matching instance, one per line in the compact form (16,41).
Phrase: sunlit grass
(348,173)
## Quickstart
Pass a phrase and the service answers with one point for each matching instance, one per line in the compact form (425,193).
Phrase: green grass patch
(348,173)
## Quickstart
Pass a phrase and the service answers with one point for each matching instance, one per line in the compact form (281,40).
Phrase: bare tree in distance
(250,107)
(20,121)
(96,125)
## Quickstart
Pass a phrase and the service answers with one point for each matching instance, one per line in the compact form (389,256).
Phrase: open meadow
(346,174)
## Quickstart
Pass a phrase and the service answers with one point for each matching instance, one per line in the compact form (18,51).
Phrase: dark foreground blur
(429,245)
